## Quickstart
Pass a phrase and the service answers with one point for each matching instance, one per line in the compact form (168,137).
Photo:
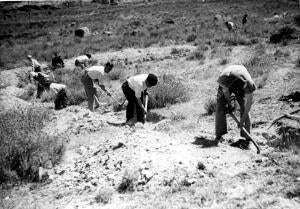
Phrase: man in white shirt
(133,89)
(61,99)
(36,66)
(234,79)
(93,77)
(82,61)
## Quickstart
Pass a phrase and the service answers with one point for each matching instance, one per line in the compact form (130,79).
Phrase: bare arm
(248,104)
(226,93)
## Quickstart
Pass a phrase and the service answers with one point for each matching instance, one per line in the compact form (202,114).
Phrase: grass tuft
(169,90)
(24,147)
(210,106)
(104,195)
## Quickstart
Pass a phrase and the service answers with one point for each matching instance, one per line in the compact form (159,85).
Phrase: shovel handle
(146,104)
(245,132)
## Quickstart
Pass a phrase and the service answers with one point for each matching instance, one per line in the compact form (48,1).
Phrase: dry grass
(104,195)
(210,106)
(72,79)
(24,146)
(28,92)
(129,180)
(169,90)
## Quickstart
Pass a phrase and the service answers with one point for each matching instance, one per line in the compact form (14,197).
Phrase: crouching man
(61,99)
(42,81)
(93,77)
(234,79)
(134,89)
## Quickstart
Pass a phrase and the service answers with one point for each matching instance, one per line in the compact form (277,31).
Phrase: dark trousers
(132,104)
(61,100)
(37,69)
(221,123)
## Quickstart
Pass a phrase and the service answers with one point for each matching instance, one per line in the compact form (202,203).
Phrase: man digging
(36,66)
(234,79)
(92,76)
(134,88)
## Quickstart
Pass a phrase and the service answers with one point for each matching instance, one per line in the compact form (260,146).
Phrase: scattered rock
(117,146)
(82,32)
(43,174)
(200,166)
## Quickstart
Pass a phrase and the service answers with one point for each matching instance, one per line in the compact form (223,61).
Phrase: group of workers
(235,84)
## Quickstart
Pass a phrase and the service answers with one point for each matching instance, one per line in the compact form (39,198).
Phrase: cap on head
(88,55)
(152,79)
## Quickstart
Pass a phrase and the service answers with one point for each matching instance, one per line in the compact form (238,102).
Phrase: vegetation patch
(104,195)
(169,90)
(210,106)
(28,93)
(72,79)
(24,147)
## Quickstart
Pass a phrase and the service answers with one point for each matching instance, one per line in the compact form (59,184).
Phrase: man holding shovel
(134,89)
(93,77)
(234,79)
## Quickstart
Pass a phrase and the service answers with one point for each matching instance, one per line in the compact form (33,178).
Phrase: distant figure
(61,99)
(244,21)
(82,61)
(92,76)
(57,62)
(42,81)
(134,89)
(234,79)
(36,66)
(229,25)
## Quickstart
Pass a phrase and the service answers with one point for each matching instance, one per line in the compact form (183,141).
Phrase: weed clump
(28,92)
(129,179)
(72,79)
(210,106)
(169,90)
(24,147)
(104,195)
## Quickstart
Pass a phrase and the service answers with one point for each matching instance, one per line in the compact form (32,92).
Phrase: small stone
(43,174)
(200,166)
(85,115)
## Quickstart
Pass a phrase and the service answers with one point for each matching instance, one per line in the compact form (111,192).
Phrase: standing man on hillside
(134,88)
(234,79)
(36,66)
(93,77)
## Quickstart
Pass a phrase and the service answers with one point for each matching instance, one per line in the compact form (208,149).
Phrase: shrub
(24,147)
(169,90)
(191,38)
(104,195)
(28,92)
(72,79)
(210,106)
(129,179)
(177,116)
(116,73)
(197,54)
(223,61)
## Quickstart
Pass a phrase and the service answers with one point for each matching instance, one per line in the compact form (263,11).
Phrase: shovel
(245,132)
(146,106)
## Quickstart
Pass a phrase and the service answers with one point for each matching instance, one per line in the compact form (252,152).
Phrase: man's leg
(89,89)
(139,111)
(220,120)
(247,124)
(130,96)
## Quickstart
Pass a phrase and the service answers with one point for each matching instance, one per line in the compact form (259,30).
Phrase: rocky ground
(165,164)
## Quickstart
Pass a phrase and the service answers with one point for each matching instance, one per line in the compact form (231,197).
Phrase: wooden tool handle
(245,132)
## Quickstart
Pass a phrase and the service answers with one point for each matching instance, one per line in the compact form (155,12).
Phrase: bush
(104,195)
(210,106)
(24,147)
(297,20)
(197,54)
(169,90)
(191,38)
(116,73)
(129,180)
(72,79)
